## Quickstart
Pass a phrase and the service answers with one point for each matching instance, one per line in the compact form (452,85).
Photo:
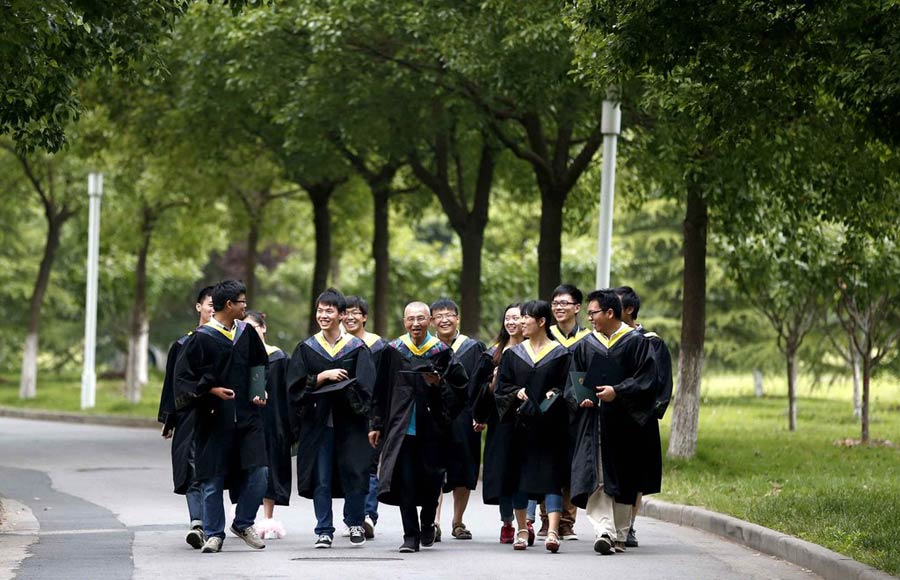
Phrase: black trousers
(416,488)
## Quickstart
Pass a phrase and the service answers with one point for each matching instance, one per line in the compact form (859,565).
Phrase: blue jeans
(372,498)
(354,501)
(532,509)
(194,497)
(249,495)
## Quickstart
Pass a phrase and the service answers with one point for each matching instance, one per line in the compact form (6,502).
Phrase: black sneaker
(195,538)
(631,539)
(409,546)
(604,545)
(357,536)
(429,535)
(323,541)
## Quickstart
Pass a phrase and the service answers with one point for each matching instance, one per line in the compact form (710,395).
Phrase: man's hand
(167,432)
(522,395)
(331,376)
(374,438)
(586,404)
(606,394)
(478,427)
(260,402)
(223,393)
(432,378)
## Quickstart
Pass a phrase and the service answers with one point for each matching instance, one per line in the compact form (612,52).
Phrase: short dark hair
(206,291)
(257,316)
(445,304)
(358,302)
(629,298)
(607,298)
(540,309)
(332,297)
(572,291)
(226,290)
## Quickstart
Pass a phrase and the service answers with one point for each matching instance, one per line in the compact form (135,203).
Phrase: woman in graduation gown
(531,378)
(499,433)
(276,420)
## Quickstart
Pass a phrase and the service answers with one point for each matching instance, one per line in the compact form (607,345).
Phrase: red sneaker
(507,533)
(530,532)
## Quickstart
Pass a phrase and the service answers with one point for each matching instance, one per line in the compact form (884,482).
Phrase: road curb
(824,562)
(66,417)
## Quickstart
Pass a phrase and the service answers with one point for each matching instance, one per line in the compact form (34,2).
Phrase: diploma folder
(581,391)
(548,402)
(258,383)
(332,387)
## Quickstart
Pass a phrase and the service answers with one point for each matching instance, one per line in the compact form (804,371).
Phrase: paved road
(103,508)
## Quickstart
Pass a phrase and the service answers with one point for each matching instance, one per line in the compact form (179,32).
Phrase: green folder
(258,382)
(548,402)
(576,382)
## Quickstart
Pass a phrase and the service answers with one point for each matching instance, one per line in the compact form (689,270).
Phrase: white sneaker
(212,545)
(345,533)
(250,537)
(369,527)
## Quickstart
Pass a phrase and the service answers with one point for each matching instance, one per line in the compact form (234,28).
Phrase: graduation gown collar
(346,343)
(568,341)
(232,334)
(371,339)
(622,331)
(461,343)
(429,343)
(549,352)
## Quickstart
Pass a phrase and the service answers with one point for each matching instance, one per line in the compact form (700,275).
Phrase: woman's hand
(521,395)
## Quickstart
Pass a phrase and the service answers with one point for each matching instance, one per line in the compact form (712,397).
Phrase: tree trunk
(28,380)
(866,375)
(251,258)
(136,363)
(758,389)
(550,244)
(470,279)
(791,355)
(857,404)
(686,410)
(381,256)
(320,196)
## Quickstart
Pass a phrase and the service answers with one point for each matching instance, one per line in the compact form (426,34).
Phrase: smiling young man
(334,457)
(464,457)
(420,389)
(180,428)
(607,464)
(216,372)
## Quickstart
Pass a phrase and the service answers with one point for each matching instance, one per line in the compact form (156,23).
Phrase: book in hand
(258,383)
(582,392)
(548,402)
(332,387)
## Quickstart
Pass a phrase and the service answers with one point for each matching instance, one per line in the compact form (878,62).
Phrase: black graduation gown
(464,453)
(276,418)
(348,409)
(500,432)
(182,422)
(538,460)
(651,447)
(398,388)
(376,346)
(626,366)
(228,435)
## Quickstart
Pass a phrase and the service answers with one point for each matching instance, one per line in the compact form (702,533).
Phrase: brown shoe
(545,526)
(567,532)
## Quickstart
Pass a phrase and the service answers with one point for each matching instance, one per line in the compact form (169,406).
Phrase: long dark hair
(539,309)
(503,336)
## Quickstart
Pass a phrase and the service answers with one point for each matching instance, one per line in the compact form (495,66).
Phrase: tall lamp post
(89,374)
(610,125)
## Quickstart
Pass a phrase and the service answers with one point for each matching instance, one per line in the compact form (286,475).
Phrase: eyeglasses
(562,303)
(354,313)
(447,316)
(244,302)
(419,319)
(591,313)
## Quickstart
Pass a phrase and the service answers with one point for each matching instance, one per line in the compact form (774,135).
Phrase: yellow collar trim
(332,350)
(537,356)
(371,339)
(215,324)
(565,340)
(460,339)
(609,342)
(270,349)
(416,350)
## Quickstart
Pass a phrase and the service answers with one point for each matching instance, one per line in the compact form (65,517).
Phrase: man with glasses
(419,391)
(330,379)
(566,304)
(607,462)
(464,454)
(219,372)
(355,322)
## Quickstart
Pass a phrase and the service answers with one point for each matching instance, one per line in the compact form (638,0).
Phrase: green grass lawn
(750,466)
(63,393)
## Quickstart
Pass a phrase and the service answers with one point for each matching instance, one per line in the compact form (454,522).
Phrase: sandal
(521,542)
(460,532)
(552,541)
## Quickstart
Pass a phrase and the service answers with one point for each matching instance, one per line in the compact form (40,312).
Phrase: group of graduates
(571,416)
